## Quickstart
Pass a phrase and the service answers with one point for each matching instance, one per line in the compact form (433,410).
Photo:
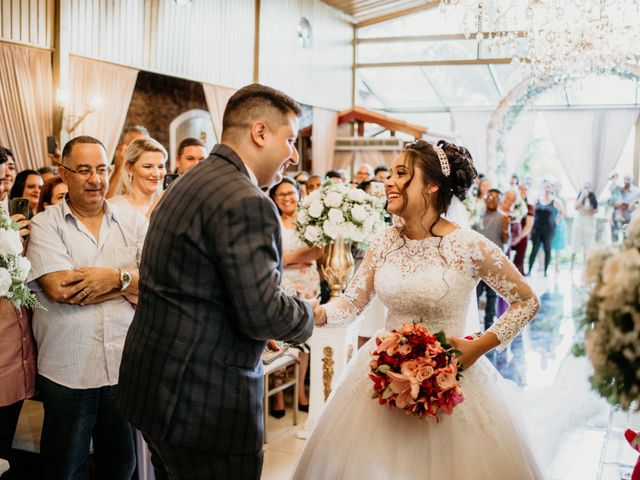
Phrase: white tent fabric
(517,140)
(589,142)
(323,139)
(471,127)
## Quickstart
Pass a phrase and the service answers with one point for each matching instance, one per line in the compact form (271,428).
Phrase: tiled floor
(578,434)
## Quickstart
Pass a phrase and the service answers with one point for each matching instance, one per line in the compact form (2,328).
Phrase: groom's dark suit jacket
(210,296)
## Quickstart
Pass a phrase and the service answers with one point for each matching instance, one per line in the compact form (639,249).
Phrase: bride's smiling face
(407,192)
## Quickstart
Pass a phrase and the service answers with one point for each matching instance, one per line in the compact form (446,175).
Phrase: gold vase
(336,265)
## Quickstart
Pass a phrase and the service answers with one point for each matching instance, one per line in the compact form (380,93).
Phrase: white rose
(303,217)
(5,282)
(357,195)
(23,267)
(312,233)
(316,209)
(359,213)
(333,199)
(331,230)
(335,215)
(10,243)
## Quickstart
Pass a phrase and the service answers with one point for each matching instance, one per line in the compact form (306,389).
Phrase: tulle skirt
(356,438)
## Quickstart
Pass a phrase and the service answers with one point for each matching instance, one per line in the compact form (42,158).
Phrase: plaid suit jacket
(191,371)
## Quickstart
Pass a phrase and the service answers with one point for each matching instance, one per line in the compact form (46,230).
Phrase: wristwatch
(125,280)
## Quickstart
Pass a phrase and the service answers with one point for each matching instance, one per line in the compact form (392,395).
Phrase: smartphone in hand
(20,205)
(168,179)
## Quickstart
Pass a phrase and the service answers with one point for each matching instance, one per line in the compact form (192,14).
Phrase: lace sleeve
(359,292)
(501,275)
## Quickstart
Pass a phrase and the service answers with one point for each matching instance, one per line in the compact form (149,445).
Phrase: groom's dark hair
(257,102)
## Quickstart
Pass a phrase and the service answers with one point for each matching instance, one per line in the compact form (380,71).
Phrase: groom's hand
(273,345)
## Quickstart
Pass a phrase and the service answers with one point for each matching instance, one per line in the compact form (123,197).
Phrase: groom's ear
(259,132)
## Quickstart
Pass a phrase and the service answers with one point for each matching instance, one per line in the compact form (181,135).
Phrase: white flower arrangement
(337,210)
(611,320)
(14,268)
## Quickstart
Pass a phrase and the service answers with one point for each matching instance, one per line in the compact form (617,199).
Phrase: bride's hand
(319,314)
(470,349)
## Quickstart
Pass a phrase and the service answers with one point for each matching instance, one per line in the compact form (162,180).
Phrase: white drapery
(323,139)
(115,84)
(589,142)
(25,103)
(217,98)
(472,127)
(517,140)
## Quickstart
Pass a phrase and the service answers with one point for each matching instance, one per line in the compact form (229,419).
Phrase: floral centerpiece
(610,321)
(416,371)
(14,268)
(336,210)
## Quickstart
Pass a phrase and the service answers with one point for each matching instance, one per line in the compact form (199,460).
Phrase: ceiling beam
(434,63)
(431,38)
(397,14)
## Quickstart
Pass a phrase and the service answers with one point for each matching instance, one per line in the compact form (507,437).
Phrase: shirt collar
(252,176)
(110,213)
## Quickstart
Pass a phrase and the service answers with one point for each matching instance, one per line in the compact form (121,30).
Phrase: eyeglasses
(86,172)
(285,195)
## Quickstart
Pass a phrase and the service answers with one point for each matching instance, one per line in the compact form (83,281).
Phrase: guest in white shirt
(10,176)
(191,152)
(85,255)
(145,168)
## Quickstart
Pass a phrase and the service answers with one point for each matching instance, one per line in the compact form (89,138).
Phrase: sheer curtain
(517,141)
(217,98)
(472,130)
(323,139)
(115,84)
(25,103)
(590,142)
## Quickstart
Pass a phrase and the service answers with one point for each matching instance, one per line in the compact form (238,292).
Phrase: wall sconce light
(63,98)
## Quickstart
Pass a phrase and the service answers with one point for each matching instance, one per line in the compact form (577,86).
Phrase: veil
(457,213)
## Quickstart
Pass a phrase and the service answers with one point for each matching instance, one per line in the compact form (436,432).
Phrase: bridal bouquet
(14,268)
(337,210)
(416,371)
(611,320)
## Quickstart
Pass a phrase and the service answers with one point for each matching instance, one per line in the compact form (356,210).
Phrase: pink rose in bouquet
(416,371)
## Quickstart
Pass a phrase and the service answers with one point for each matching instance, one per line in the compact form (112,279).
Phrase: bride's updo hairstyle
(453,173)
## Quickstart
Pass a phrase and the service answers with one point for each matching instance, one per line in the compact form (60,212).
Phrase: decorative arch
(506,115)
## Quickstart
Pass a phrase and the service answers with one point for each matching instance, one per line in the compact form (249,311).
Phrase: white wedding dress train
(430,281)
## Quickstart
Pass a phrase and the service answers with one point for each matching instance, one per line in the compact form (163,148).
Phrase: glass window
(464,85)
(417,51)
(553,97)
(400,88)
(507,77)
(429,22)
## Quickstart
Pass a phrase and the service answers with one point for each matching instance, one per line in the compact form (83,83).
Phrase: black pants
(172,462)
(8,421)
(490,306)
(544,237)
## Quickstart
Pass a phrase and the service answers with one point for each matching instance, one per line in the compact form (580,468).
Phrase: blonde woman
(144,172)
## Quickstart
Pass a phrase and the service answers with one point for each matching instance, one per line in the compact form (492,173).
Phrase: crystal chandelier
(547,38)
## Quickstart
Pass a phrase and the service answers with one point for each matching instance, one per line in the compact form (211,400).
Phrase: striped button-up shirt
(81,346)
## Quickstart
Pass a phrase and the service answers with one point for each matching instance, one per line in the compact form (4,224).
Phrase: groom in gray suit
(191,377)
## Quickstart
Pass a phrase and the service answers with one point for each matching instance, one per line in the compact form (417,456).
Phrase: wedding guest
(363,173)
(313,183)
(381,173)
(508,207)
(583,232)
(85,254)
(47,172)
(544,225)
(614,214)
(495,227)
(334,176)
(18,353)
(9,176)
(302,177)
(191,151)
(344,175)
(28,184)
(519,244)
(559,240)
(129,134)
(52,193)
(625,203)
(300,274)
(145,168)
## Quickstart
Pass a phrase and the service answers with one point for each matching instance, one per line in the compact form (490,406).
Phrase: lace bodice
(432,281)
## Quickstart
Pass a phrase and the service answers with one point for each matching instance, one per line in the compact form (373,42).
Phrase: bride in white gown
(427,271)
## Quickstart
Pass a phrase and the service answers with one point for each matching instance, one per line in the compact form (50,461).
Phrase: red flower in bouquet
(416,371)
